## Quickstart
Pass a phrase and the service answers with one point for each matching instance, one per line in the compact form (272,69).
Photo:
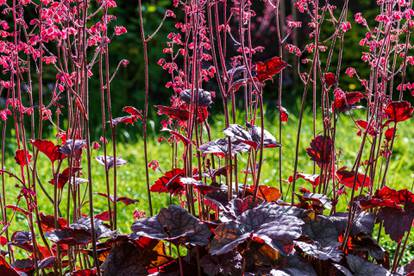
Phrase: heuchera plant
(226,223)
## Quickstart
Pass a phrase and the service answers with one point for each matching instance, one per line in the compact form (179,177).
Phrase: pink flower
(170,13)
(360,19)
(345,26)
(4,113)
(294,24)
(120,30)
(410,60)
(49,59)
(350,71)
(293,49)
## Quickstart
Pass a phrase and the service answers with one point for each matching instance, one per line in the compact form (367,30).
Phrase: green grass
(131,177)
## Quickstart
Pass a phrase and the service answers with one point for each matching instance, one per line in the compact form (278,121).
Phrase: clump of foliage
(226,222)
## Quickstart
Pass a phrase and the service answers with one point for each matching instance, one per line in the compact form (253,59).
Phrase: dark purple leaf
(220,148)
(69,236)
(227,264)
(251,136)
(361,267)
(110,161)
(320,150)
(173,224)
(204,97)
(322,230)
(319,252)
(396,221)
(363,222)
(23,265)
(295,266)
(22,239)
(124,259)
(267,222)
(47,262)
(407,269)
(317,200)
(72,147)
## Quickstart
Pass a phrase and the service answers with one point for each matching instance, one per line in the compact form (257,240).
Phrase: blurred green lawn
(131,177)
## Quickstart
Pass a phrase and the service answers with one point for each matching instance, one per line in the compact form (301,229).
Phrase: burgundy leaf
(320,150)
(47,222)
(6,269)
(126,200)
(330,78)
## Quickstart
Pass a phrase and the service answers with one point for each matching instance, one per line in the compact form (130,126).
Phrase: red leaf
(389,133)
(125,120)
(173,112)
(347,178)
(63,177)
(3,241)
(267,69)
(311,178)
(284,114)
(266,193)
(170,183)
(399,111)
(96,145)
(49,149)
(126,200)
(330,78)
(47,222)
(22,157)
(104,216)
(178,136)
(17,209)
(85,272)
(132,111)
(364,124)
(345,101)
(6,269)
